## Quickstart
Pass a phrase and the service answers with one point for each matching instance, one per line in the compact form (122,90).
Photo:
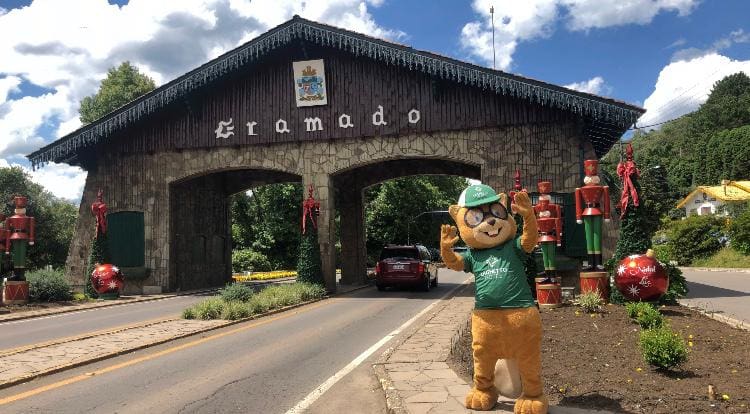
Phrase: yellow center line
(155,355)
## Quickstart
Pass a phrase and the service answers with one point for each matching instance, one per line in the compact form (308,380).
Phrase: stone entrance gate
(179,152)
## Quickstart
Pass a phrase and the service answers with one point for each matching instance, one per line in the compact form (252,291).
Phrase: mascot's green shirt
(499,276)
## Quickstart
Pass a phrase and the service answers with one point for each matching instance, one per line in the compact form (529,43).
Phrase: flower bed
(276,274)
(594,361)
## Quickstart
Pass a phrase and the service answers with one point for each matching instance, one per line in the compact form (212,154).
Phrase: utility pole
(492,15)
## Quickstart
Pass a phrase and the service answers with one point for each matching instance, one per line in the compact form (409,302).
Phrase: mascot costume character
(505,323)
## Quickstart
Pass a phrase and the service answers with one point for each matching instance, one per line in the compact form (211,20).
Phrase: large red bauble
(641,277)
(107,278)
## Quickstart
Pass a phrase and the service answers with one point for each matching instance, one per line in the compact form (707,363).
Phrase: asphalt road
(31,331)
(724,292)
(262,366)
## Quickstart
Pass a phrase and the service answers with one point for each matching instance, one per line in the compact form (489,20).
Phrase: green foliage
(309,268)
(248,260)
(727,257)
(78,297)
(590,302)
(55,218)
(695,237)
(210,308)
(391,208)
(234,310)
(270,298)
(649,318)
(122,85)
(634,309)
(48,286)
(236,292)
(268,222)
(636,228)
(662,348)
(739,232)
(677,285)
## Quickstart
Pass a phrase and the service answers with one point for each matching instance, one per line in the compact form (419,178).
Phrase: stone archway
(200,227)
(349,186)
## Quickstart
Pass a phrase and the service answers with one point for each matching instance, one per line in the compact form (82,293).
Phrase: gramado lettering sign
(225,129)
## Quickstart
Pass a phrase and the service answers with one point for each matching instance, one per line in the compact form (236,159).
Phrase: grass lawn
(726,257)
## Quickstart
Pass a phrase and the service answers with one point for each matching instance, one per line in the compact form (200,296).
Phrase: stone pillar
(352,233)
(324,192)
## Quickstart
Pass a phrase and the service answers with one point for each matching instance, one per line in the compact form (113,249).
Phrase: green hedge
(48,286)
(692,238)
(242,306)
(249,260)
(739,233)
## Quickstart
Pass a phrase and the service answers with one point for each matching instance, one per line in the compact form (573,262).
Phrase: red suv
(405,266)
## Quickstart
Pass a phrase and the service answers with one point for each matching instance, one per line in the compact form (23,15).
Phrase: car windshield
(399,253)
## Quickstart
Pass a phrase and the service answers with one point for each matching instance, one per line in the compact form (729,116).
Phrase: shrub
(694,237)
(77,296)
(649,318)
(188,313)
(677,285)
(662,348)
(208,309)
(236,292)
(636,308)
(234,310)
(590,301)
(739,233)
(249,260)
(48,286)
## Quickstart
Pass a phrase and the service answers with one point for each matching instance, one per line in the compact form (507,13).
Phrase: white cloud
(67,47)
(734,37)
(684,85)
(595,14)
(62,180)
(595,85)
(517,21)
(8,84)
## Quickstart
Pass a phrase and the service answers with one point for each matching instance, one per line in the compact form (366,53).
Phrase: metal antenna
(492,14)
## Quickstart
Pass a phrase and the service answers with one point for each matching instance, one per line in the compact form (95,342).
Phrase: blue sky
(660,54)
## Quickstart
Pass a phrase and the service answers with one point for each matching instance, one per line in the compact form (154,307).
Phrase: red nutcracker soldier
(592,202)
(19,233)
(549,220)
(4,258)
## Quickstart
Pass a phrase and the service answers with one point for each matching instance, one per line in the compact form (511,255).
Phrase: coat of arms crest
(310,85)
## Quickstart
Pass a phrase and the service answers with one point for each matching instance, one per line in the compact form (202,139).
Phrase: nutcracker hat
(590,167)
(20,201)
(476,195)
(545,187)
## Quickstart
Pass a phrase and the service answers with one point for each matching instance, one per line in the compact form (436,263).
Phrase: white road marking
(322,388)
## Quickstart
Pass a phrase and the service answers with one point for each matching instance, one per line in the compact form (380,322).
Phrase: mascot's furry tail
(508,378)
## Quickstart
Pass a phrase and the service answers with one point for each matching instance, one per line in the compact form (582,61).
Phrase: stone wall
(167,186)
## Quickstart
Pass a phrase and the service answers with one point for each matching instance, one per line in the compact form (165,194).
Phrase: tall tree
(122,85)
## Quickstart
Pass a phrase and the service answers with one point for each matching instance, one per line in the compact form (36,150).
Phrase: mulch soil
(595,362)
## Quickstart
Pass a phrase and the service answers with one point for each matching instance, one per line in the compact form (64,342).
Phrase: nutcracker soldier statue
(5,265)
(19,230)
(549,220)
(592,202)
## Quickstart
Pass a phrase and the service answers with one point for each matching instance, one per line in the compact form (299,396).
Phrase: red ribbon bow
(626,170)
(310,207)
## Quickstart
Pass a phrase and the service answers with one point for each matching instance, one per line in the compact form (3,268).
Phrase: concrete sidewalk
(416,377)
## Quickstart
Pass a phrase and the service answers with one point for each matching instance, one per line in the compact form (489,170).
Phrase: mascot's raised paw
(526,405)
(481,400)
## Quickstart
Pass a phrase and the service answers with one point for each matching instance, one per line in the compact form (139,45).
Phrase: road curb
(66,367)
(715,269)
(734,323)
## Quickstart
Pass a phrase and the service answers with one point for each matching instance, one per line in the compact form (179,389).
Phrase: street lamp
(408,227)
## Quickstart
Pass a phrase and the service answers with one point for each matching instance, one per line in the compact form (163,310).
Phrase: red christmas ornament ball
(107,278)
(641,277)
